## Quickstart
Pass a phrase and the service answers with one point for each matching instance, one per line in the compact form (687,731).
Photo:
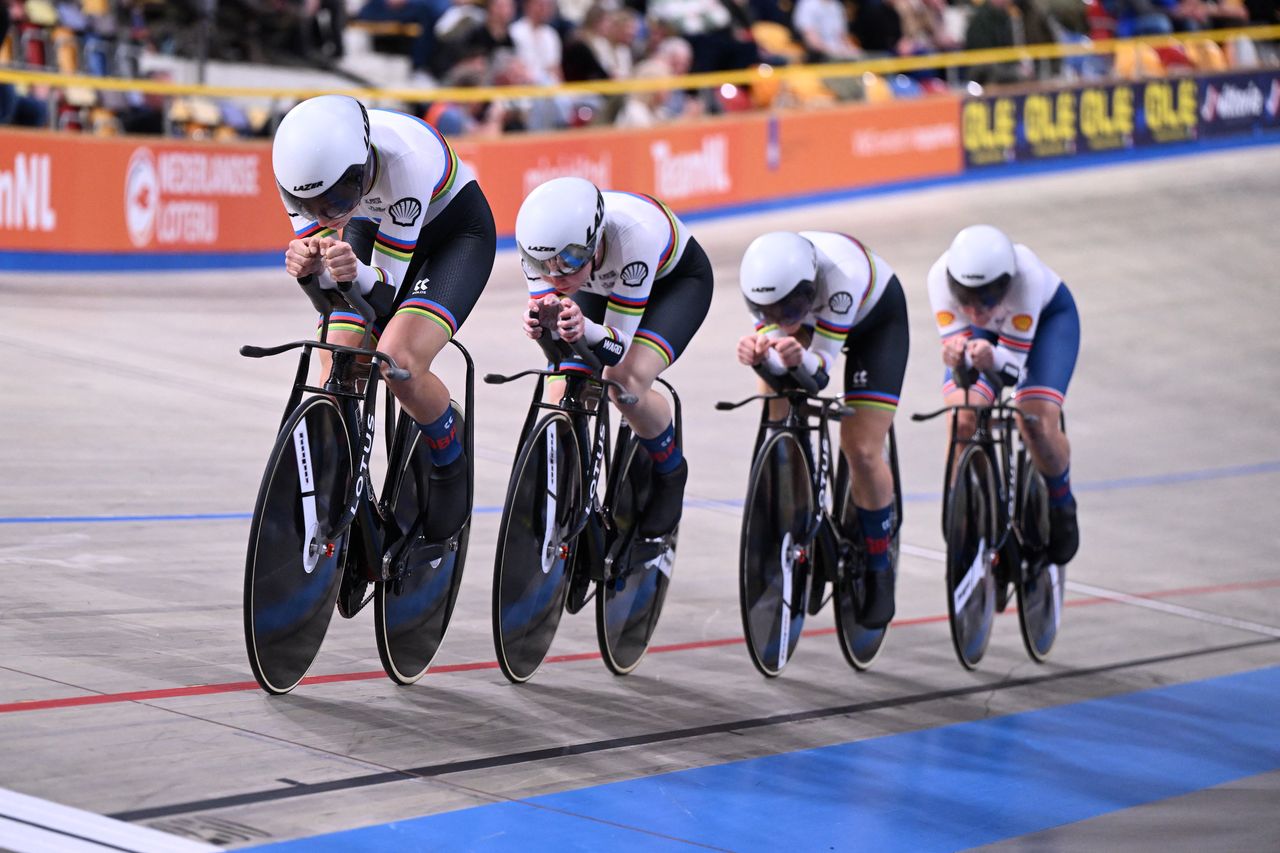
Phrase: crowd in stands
(483,43)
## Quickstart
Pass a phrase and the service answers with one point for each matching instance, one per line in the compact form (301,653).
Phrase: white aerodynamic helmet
(321,156)
(981,265)
(558,226)
(778,277)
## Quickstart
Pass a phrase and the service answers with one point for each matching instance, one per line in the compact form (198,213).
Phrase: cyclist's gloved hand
(572,324)
(752,349)
(790,352)
(980,355)
(340,261)
(773,363)
(302,258)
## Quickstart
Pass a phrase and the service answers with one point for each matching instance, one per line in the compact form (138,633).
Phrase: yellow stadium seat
(808,89)
(205,112)
(1137,60)
(776,39)
(95,7)
(876,89)
(80,96)
(66,50)
(6,50)
(104,122)
(1206,55)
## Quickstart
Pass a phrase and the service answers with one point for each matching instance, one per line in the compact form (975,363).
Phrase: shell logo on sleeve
(840,302)
(406,211)
(1022,322)
(634,273)
(945,318)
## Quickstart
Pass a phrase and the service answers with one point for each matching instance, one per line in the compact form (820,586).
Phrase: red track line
(240,686)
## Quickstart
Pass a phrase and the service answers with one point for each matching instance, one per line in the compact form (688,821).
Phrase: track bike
(321,536)
(995,519)
(800,529)
(569,522)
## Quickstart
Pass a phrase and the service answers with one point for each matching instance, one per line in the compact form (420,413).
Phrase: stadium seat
(1242,53)
(1173,56)
(876,90)
(773,38)
(1206,55)
(1137,60)
(904,87)
(1101,24)
(66,50)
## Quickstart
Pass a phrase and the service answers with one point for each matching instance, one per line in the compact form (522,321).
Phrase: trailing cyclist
(379,198)
(634,284)
(814,293)
(1002,312)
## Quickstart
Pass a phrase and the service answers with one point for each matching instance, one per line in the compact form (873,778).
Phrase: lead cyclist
(1001,310)
(632,283)
(379,198)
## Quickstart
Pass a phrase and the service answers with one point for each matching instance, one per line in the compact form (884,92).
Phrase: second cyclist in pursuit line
(1002,309)
(635,286)
(379,198)
(813,294)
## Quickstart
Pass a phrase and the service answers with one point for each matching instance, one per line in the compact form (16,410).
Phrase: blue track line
(1229,472)
(941,789)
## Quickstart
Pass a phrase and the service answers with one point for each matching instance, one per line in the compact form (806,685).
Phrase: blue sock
(877,529)
(442,438)
(663,450)
(1060,489)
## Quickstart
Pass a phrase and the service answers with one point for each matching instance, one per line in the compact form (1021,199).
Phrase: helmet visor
(988,295)
(567,261)
(790,309)
(335,202)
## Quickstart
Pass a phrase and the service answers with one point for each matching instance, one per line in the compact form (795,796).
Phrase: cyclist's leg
(677,307)
(1041,393)
(449,270)
(875,362)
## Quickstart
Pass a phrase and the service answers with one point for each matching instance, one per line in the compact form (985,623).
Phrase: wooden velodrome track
(134,437)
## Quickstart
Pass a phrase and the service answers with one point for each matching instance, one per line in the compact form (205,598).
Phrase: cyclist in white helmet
(634,284)
(813,294)
(379,198)
(1000,310)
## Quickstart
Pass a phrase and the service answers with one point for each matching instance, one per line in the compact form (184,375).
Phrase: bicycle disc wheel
(1039,583)
(291,576)
(971,525)
(630,598)
(412,612)
(772,571)
(530,571)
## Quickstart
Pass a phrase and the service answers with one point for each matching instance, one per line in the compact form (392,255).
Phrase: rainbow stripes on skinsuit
(433,311)
(871,400)
(833,331)
(400,250)
(346,321)
(312,229)
(626,305)
(657,343)
(665,260)
(982,388)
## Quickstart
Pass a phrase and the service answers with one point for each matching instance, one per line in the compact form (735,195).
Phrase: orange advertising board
(734,160)
(142,202)
(65,193)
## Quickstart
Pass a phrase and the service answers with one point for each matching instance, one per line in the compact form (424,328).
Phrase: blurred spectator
(1263,12)
(1138,18)
(15,108)
(581,60)
(924,30)
(537,42)
(322,24)
(717,30)
(424,13)
(477,34)
(671,58)
(621,30)
(824,29)
(990,26)
(877,27)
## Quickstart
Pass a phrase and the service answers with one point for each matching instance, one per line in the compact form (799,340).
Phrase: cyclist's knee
(865,457)
(1041,425)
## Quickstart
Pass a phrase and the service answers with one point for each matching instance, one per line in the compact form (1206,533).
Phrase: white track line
(32,825)
(1125,598)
